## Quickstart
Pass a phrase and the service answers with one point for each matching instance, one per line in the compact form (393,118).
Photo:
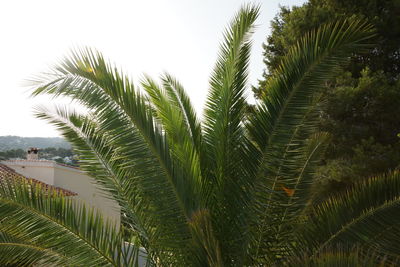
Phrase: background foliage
(17,142)
(361,108)
(60,155)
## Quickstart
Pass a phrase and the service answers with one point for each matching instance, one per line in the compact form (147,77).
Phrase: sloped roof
(9,173)
(43,162)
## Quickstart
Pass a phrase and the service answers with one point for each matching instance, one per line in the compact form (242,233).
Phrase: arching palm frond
(180,130)
(228,157)
(100,159)
(232,190)
(43,227)
(124,114)
(180,100)
(366,215)
(342,256)
(285,118)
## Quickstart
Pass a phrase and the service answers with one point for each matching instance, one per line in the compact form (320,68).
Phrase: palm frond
(183,144)
(342,256)
(99,159)
(227,157)
(367,215)
(118,107)
(48,228)
(286,110)
(122,164)
(180,100)
(20,252)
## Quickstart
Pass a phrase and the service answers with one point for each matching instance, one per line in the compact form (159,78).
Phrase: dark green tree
(13,153)
(362,104)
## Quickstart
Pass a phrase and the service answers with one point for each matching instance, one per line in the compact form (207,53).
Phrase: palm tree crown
(231,190)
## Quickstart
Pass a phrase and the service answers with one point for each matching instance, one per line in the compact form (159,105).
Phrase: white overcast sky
(147,36)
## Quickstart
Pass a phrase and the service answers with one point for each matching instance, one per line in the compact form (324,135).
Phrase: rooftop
(41,162)
(9,173)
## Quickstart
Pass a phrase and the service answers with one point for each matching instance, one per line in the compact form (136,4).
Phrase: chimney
(32,153)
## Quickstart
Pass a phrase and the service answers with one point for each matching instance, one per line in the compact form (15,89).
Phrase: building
(9,173)
(68,178)
(71,182)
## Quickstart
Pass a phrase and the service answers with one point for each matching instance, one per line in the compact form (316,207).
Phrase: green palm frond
(99,158)
(183,139)
(286,117)
(88,79)
(122,111)
(174,108)
(20,252)
(226,103)
(127,169)
(180,100)
(47,228)
(228,158)
(342,256)
(367,215)
(233,190)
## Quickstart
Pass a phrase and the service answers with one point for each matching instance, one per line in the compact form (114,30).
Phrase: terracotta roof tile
(9,173)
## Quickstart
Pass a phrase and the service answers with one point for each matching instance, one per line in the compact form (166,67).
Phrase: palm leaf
(227,155)
(48,228)
(367,215)
(98,158)
(180,100)
(285,117)
(183,143)
(342,256)
(121,164)
(117,106)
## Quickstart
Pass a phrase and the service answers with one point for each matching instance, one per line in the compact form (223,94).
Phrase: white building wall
(71,179)
(82,184)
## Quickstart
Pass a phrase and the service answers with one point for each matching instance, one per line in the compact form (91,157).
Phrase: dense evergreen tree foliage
(12,154)
(362,106)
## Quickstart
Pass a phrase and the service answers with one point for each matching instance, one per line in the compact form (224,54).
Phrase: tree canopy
(361,104)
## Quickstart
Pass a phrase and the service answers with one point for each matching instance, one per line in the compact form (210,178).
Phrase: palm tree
(231,190)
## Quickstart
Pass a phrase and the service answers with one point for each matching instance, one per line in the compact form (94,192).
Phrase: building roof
(39,162)
(9,173)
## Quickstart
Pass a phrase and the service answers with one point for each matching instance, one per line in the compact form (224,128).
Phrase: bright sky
(148,36)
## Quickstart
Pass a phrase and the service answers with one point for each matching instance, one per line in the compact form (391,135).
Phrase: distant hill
(17,142)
